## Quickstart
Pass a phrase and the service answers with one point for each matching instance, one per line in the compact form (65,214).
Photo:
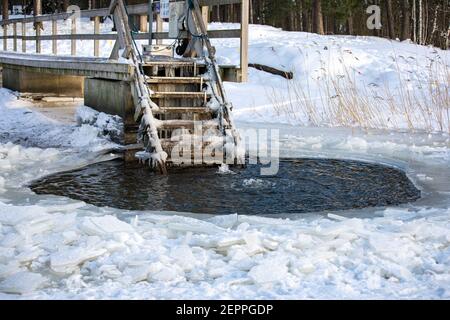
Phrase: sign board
(176,11)
(164,9)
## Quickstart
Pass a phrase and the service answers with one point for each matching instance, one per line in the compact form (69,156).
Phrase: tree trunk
(350,23)
(318,17)
(421,18)
(37,10)
(406,21)
(65,5)
(390,19)
(5,8)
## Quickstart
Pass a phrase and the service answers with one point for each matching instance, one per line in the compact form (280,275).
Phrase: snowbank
(55,248)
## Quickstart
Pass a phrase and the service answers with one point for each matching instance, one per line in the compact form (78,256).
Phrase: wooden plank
(245,9)
(73,31)
(54,41)
(176,80)
(96,41)
(24,34)
(15,36)
(180,95)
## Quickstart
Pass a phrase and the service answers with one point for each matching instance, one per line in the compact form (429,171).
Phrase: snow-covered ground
(54,247)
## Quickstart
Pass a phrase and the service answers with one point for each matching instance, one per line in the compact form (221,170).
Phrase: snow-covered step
(187,124)
(201,110)
(176,80)
(181,95)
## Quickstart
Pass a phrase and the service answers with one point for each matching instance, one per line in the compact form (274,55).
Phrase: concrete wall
(33,82)
(112,97)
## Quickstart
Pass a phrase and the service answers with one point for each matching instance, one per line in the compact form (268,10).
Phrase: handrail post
(245,8)
(73,31)
(143,23)
(96,41)
(24,34)
(54,33)
(150,22)
(159,26)
(5,35)
(15,36)
(38,39)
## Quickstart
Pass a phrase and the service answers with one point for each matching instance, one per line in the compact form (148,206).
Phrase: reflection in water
(301,186)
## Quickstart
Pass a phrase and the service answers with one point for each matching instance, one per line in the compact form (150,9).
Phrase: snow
(56,248)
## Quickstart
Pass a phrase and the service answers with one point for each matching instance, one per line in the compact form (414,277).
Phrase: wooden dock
(164,101)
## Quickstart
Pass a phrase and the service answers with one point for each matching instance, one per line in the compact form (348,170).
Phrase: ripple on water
(301,186)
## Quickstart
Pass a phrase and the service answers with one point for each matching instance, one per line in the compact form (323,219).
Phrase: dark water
(303,185)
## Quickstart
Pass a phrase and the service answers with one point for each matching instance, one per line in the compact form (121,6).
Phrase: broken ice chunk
(97,226)
(22,282)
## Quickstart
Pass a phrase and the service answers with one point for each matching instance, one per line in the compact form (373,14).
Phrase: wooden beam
(245,9)
(285,74)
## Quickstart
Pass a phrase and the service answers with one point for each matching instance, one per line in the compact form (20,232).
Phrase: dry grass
(340,100)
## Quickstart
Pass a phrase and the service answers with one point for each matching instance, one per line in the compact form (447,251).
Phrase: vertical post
(159,27)
(37,11)
(54,33)
(24,34)
(5,17)
(73,32)
(15,36)
(38,40)
(143,23)
(96,41)
(150,21)
(245,6)
(5,34)
(205,16)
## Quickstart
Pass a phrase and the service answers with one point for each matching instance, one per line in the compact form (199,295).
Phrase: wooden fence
(141,10)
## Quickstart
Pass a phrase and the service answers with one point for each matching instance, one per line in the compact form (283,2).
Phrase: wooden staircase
(180,104)
(179,88)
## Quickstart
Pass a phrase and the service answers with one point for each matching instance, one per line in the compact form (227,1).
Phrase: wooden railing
(96,14)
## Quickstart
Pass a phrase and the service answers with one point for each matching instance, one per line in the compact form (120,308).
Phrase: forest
(425,22)
(422,21)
